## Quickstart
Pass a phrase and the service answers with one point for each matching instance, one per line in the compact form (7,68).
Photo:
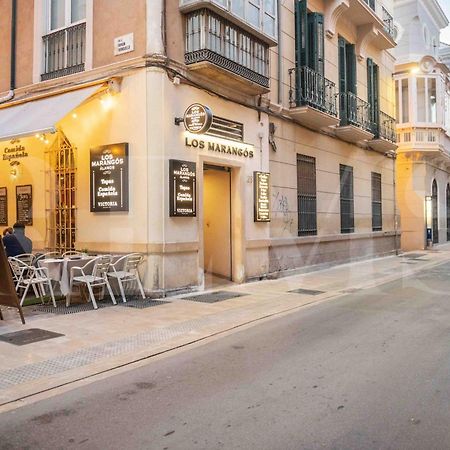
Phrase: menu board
(183,188)
(261,182)
(3,206)
(24,204)
(109,178)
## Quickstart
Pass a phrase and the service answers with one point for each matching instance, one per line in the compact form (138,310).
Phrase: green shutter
(316,42)
(351,67)
(372,91)
(342,81)
(301,34)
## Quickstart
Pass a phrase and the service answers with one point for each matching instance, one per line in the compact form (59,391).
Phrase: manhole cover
(29,336)
(142,303)
(214,297)
(307,291)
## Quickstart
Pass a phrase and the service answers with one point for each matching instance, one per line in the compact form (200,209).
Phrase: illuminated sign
(220,146)
(261,183)
(3,206)
(24,204)
(182,188)
(109,178)
(198,118)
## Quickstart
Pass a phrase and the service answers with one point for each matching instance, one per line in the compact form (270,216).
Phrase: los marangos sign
(197,118)
(182,188)
(109,178)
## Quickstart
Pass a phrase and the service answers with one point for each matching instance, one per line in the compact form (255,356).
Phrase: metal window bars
(354,111)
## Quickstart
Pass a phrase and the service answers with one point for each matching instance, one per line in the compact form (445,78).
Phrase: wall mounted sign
(14,150)
(3,206)
(198,118)
(109,178)
(220,146)
(261,183)
(182,188)
(124,44)
(24,204)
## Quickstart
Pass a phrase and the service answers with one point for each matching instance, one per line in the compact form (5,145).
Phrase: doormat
(71,309)
(141,303)
(25,337)
(214,297)
(306,291)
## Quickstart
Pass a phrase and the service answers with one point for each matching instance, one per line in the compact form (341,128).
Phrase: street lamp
(429,219)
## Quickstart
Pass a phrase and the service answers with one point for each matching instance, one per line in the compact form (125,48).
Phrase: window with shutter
(306,195)
(372,94)
(347,206)
(377,224)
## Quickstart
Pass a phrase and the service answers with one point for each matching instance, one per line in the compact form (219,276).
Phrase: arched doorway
(434,202)
(448,212)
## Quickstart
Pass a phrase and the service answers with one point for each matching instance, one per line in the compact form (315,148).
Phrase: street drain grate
(307,291)
(25,337)
(141,303)
(214,297)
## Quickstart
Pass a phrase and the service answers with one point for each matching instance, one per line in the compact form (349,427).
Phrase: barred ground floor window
(306,195)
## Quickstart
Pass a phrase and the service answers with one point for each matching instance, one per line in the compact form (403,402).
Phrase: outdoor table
(59,269)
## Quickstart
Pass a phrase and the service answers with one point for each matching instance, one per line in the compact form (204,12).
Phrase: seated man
(17,243)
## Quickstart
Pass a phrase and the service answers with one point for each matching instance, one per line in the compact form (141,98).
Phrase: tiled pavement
(99,341)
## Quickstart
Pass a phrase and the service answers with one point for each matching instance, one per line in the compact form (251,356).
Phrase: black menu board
(24,204)
(3,206)
(261,182)
(109,178)
(183,188)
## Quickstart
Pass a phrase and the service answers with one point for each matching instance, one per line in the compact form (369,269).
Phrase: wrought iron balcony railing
(309,88)
(370,3)
(354,111)
(388,21)
(384,128)
(64,52)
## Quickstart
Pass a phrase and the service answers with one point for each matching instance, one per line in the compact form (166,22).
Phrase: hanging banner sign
(109,178)
(182,188)
(24,204)
(198,118)
(3,206)
(261,183)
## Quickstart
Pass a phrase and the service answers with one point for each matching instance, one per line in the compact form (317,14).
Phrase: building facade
(423,124)
(235,138)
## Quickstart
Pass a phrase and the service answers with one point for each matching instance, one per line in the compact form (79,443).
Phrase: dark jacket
(25,242)
(12,245)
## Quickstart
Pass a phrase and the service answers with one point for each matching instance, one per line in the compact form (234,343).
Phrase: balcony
(432,141)
(64,52)
(384,139)
(312,98)
(221,51)
(355,124)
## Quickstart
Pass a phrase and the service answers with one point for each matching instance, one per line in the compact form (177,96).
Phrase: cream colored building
(315,115)
(423,124)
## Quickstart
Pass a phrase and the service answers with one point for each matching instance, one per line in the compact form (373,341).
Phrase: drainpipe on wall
(280,65)
(10,94)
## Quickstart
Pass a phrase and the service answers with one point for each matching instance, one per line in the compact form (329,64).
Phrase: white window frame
(67,19)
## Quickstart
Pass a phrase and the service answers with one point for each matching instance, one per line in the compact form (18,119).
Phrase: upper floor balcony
(385,138)
(430,140)
(355,119)
(312,98)
(64,51)
(220,50)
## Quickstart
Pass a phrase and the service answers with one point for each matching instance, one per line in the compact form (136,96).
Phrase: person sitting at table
(17,243)
(8,230)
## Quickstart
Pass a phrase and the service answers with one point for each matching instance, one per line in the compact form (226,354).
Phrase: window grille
(347,206)
(377,217)
(306,195)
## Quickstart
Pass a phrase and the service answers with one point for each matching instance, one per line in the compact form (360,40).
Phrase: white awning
(40,116)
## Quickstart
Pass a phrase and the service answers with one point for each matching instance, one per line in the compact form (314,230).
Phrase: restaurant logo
(14,151)
(261,182)
(198,118)
(182,188)
(223,147)
(109,178)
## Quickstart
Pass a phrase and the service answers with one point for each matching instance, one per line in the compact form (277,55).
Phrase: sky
(445,33)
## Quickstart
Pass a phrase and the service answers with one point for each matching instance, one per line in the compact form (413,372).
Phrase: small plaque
(183,188)
(124,44)
(24,204)
(261,182)
(3,206)
(198,118)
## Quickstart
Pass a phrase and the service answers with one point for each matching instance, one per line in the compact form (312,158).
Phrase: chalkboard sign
(183,188)
(109,178)
(261,182)
(24,204)
(3,206)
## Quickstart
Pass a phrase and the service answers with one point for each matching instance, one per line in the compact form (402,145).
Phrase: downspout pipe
(10,94)
(279,61)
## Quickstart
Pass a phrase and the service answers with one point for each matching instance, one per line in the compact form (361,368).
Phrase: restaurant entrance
(217,220)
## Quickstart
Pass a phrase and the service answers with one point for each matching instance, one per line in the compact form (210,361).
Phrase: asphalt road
(366,371)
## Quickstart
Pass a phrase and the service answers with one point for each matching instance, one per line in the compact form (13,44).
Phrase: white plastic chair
(28,275)
(92,274)
(126,269)
(73,253)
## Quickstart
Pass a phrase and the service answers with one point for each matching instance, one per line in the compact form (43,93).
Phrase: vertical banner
(8,294)
(261,197)
(182,188)
(24,204)
(3,206)
(109,178)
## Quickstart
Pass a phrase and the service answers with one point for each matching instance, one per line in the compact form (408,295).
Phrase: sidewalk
(96,342)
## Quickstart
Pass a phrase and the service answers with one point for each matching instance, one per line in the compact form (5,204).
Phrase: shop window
(376,202)
(347,203)
(65,42)
(306,195)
